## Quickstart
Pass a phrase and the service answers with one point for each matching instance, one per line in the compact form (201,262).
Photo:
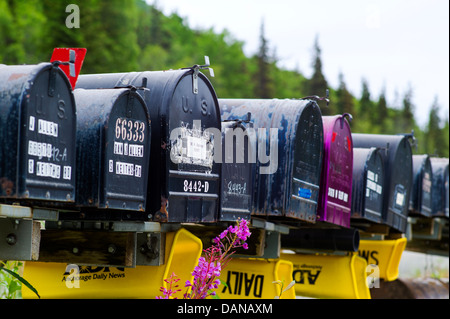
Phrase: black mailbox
(113,149)
(440,191)
(421,196)
(37,131)
(238,170)
(184,180)
(289,159)
(367,187)
(397,158)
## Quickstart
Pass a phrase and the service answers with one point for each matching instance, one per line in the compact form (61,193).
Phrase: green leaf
(22,280)
(223,283)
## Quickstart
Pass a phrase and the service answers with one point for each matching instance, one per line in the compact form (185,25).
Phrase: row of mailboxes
(148,142)
(397,183)
(108,146)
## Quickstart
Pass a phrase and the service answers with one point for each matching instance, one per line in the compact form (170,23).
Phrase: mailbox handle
(349,119)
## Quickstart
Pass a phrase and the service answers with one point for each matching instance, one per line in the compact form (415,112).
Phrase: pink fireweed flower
(168,293)
(209,267)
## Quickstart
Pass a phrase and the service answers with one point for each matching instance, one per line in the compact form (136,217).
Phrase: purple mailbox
(337,171)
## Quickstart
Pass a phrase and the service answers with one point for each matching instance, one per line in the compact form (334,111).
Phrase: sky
(393,44)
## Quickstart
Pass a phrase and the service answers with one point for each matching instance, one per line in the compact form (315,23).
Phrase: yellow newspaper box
(386,254)
(253,279)
(329,276)
(58,280)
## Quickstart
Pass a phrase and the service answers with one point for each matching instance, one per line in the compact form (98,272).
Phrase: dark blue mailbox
(37,130)
(440,186)
(421,195)
(367,188)
(238,170)
(113,149)
(289,154)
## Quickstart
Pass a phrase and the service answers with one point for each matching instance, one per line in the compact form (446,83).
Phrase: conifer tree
(435,143)
(318,85)
(365,102)
(381,112)
(407,121)
(264,86)
(344,102)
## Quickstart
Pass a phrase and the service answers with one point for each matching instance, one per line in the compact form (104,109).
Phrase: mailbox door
(420,199)
(337,170)
(440,186)
(237,172)
(127,154)
(374,187)
(193,176)
(307,164)
(113,146)
(38,131)
(401,185)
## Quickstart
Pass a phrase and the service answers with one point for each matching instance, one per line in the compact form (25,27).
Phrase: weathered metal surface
(184,180)
(367,187)
(238,171)
(37,130)
(421,196)
(440,191)
(113,149)
(290,150)
(337,170)
(397,157)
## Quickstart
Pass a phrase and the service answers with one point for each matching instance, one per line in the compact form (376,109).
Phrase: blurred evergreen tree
(344,102)
(435,142)
(381,113)
(406,120)
(318,85)
(367,107)
(264,82)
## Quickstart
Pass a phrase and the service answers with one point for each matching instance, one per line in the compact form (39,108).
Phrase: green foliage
(132,35)
(11,281)
(10,288)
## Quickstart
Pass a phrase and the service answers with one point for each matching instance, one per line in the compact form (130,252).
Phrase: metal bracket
(196,68)
(20,239)
(259,223)
(55,65)
(317,98)
(150,249)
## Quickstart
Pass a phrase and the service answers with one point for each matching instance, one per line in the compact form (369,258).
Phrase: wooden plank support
(101,248)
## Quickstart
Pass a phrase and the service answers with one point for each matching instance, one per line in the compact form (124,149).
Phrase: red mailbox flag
(72,59)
